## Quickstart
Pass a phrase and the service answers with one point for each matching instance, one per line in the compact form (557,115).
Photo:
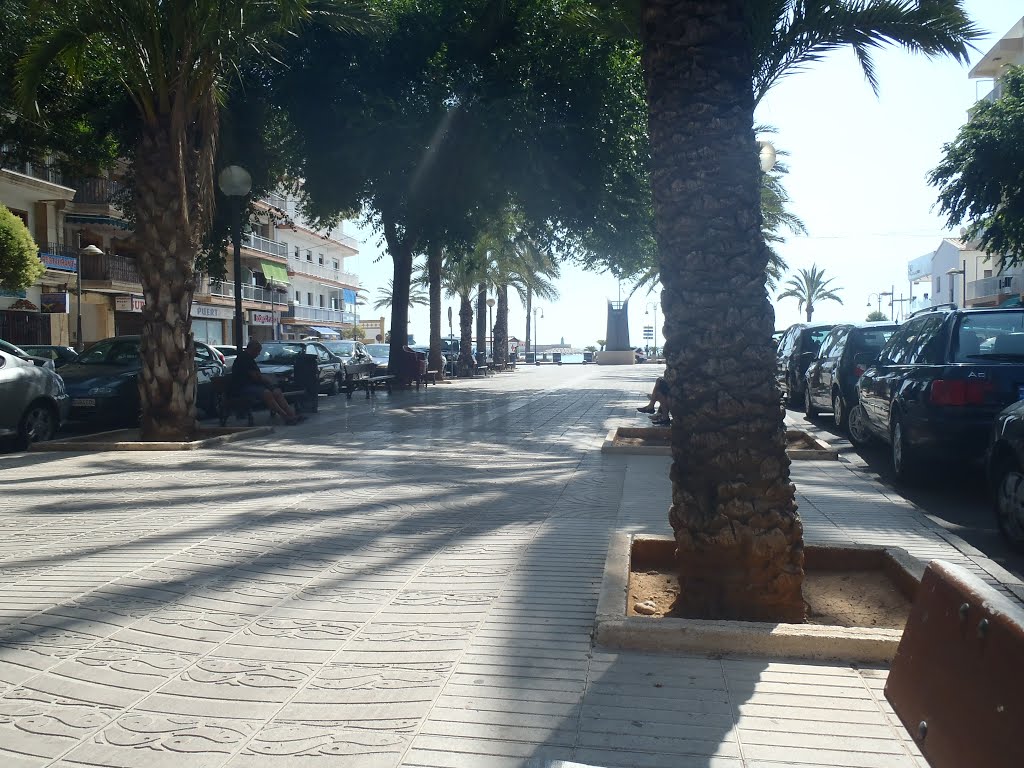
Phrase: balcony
(226,289)
(41,171)
(323,271)
(992,290)
(275,200)
(265,246)
(319,314)
(109,269)
(98,192)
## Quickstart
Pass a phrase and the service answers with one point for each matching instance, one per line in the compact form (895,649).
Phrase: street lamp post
(490,324)
(235,182)
(953,272)
(653,305)
(89,250)
(536,333)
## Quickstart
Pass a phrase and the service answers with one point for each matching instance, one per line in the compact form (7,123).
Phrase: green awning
(274,273)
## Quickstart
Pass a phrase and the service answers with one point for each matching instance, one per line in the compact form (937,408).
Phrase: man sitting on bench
(247,381)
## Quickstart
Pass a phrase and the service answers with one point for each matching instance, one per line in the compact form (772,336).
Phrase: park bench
(365,376)
(302,391)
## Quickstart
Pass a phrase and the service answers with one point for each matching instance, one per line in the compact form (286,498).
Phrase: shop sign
(55,303)
(21,294)
(210,312)
(261,318)
(129,303)
(59,263)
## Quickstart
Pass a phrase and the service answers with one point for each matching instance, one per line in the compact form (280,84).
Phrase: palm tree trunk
(481,318)
(501,327)
(810,311)
(467,364)
(434,258)
(739,539)
(529,318)
(169,242)
(401,255)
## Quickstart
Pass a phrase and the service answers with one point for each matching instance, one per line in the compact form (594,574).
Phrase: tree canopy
(20,266)
(981,177)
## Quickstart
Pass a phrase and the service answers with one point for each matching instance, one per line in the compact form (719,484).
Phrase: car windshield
(277,353)
(341,348)
(228,351)
(990,336)
(378,350)
(814,337)
(10,349)
(48,352)
(870,339)
(111,352)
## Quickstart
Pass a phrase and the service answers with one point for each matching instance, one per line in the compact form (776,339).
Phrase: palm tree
(809,288)
(739,540)
(176,62)
(416,297)
(538,272)
(460,277)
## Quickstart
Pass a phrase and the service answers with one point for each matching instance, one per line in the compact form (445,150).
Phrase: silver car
(33,403)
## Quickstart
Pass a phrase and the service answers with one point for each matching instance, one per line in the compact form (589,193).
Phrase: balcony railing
(1000,285)
(263,245)
(249,292)
(319,314)
(315,269)
(98,191)
(277,201)
(41,171)
(109,268)
(58,249)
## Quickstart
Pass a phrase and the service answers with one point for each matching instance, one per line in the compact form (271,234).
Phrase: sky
(858,179)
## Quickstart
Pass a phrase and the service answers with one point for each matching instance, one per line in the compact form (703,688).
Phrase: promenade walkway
(406,581)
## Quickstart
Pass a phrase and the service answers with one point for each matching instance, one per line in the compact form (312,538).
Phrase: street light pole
(490,323)
(235,182)
(652,305)
(89,250)
(536,333)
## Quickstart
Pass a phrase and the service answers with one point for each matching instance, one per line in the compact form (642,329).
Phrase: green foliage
(810,287)
(981,177)
(356,332)
(602,342)
(20,266)
(876,316)
(387,297)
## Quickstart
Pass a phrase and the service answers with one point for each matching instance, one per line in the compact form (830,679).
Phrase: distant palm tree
(416,296)
(809,288)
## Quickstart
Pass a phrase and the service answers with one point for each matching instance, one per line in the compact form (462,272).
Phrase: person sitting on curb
(248,381)
(660,396)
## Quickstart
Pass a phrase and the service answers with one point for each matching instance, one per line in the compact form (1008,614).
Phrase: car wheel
(839,413)
(904,460)
(809,410)
(1009,503)
(38,423)
(857,424)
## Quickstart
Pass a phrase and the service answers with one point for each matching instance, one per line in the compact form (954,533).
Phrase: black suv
(798,347)
(844,355)
(939,382)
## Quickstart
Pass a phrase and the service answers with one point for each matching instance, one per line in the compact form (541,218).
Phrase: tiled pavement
(407,581)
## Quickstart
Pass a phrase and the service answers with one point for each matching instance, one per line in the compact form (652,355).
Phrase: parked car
(380,353)
(229,353)
(60,355)
(34,401)
(11,349)
(351,352)
(799,345)
(939,382)
(845,352)
(103,382)
(277,358)
(1005,471)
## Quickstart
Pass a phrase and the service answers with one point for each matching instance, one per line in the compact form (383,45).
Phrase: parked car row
(947,384)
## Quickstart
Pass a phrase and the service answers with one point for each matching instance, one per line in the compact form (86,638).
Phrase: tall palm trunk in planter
(481,318)
(467,364)
(435,257)
(501,326)
(166,191)
(739,539)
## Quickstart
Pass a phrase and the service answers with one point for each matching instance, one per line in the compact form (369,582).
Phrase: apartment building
(294,280)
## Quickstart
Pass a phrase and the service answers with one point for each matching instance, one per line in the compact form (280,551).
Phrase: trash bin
(588,357)
(556,357)
(531,357)
(307,377)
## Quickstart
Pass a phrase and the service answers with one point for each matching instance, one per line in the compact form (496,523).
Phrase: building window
(296,253)
(309,256)
(988,273)
(321,297)
(298,297)
(320,259)
(938,284)
(336,265)
(309,299)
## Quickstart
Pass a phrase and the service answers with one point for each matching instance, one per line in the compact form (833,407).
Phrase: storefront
(128,315)
(211,323)
(262,325)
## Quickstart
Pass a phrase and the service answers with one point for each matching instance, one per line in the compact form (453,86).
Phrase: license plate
(83,402)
